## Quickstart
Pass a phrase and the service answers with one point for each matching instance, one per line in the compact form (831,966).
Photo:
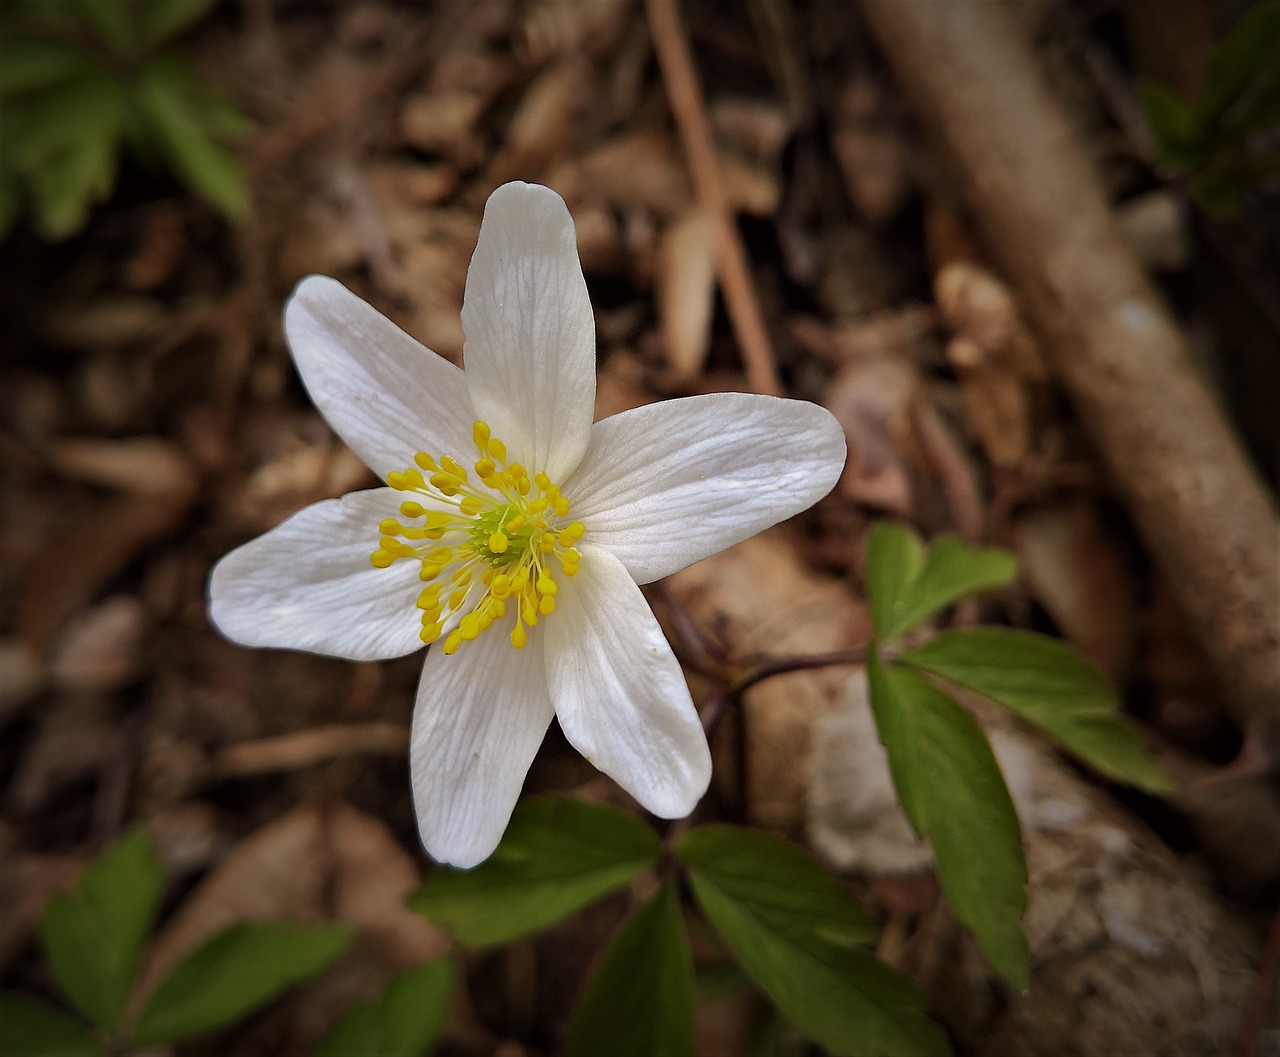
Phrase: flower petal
(530,349)
(620,695)
(308,585)
(666,485)
(480,717)
(386,395)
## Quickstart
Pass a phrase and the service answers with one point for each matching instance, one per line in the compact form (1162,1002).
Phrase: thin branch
(685,96)
(290,752)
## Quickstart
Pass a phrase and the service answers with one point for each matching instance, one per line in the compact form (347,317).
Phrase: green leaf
(1247,53)
(173,107)
(558,855)
(953,791)
(234,973)
(161,19)
(94,935)
(789,888)
(1174,126)
(33,1029)
(65,140)
(1052,687)
(404,1021)
(907,583)
(640,1000)
(794,928)
(28,63)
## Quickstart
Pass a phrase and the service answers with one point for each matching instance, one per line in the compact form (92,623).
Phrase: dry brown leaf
(872,401)
(686,292)
(1076,572)
(145,465)
(103,544)
(545,124)
(638,168)
(99,650)
(317,863)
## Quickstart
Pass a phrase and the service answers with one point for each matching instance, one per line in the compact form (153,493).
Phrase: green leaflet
(558,855)
(953,792)
(795,929)
(1050,686)
(640,1001)
(94,935)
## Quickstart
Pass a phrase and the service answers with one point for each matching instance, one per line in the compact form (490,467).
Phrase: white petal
(530,349)
(666,485)
(386,395)
(480,717)
(620,695)
(308,584)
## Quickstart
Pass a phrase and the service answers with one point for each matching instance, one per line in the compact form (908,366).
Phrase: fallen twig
(289,752)
(1201,510)
(690,113)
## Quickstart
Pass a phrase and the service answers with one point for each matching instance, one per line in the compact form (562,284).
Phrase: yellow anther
(519,578)
(469,627)
(470,506)
(440,555)
(430,632)
(485,468)
(412,509)
(430,572)
(480,435)
(381,559)
(546,585)
(498,543)
(438,519)
(398,480)
(425,461)
(575,529)
(547,544)
(529,614)
(429,597)
(538,505)
(542,481)
(457,598)
(445,483)
(486,577)
(522,485)
(415,479)
(452,641)
(389,526)
(515,523)
(501,586)
(519,636)
(414,533)
(499,608)
(461,577)
(562,506)
(450,466)
(547,605)
(498,451)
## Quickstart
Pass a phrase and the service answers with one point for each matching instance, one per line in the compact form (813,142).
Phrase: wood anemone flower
(513,532)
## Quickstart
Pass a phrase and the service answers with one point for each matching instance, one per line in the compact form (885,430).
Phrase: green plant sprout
(79,79)
(94,937)
(1212,139)
(795,930)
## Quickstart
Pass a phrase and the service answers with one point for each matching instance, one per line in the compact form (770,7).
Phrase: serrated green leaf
(558,855)
(795,930)
(64,139)
(1052,687)
(404,1021)
(907,583)
(953,791)
(32,1029)
(234,973)
(29,63)
(171,105)
(791,892)
(161,19)
(1248,52)
(94,935)
(640,1001)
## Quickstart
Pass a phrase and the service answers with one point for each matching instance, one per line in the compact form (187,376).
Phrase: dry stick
(690,113)
(306,747)
(1201,510)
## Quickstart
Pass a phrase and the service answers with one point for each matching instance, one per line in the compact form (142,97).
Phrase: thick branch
(1201,510)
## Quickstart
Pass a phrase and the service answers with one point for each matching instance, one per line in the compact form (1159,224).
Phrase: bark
(1203,513)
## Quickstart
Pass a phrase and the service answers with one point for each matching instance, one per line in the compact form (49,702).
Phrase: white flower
(523,560)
